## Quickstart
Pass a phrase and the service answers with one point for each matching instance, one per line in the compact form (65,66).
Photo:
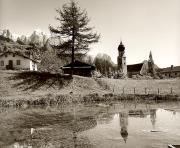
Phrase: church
(144,68)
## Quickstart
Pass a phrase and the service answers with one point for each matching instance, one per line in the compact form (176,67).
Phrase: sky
(142,25)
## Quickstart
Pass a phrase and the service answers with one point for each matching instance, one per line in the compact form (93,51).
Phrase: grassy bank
(36,88)
(130,86)
(51,100)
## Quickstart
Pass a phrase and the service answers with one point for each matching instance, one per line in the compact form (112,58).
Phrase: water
(122,124)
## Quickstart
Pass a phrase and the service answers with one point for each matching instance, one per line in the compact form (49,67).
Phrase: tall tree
(74,32)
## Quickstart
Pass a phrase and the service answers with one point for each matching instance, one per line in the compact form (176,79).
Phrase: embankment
(36,88)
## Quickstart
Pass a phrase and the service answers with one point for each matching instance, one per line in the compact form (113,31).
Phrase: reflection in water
(153,117)
(89,126)
(123,119)
(138,113)
(105,118)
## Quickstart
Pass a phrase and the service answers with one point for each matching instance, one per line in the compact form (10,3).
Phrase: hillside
(35,44)
(33,85)
(16,85)
(7,44)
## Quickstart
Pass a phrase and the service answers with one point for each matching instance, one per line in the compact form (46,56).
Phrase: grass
(142,86)
(42,88)
(35,80)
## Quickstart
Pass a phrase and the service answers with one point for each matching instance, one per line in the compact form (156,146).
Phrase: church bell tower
(121,60)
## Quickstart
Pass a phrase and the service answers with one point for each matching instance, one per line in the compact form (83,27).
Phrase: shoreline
(108,98)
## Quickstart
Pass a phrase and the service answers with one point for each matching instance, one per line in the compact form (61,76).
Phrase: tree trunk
(72,58)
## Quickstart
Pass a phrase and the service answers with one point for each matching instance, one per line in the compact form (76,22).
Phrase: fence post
(113,87)
(145,91)
(123,90)
(158,91)
(171,90)
(134,97)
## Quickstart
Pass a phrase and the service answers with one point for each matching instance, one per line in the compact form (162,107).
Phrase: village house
(170,72)
(17,61)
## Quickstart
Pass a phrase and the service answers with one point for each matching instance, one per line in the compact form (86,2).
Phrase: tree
(73,30)
(88,59)
(50,62)
(104,64)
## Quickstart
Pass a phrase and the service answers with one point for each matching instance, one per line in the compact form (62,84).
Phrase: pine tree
(74,33)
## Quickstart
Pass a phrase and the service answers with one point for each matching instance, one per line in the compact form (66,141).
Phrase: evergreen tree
(74,33)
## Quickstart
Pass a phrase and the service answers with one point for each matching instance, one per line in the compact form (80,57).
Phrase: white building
(17,61)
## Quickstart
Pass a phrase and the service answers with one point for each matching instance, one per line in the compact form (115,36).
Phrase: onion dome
(121,47)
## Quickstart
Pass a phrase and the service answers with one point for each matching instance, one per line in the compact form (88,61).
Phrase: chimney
(172,67)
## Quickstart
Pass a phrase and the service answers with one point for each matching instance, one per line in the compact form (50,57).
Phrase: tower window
(18,62)
(2,63)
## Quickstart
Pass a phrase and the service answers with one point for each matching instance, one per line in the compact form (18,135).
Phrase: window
(13,55)
(175,74)
(18,62)
(2,63)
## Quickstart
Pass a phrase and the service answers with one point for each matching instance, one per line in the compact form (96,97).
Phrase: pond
(123,124)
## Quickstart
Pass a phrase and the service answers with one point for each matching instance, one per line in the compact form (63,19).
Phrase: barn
(17,61)
(79,68)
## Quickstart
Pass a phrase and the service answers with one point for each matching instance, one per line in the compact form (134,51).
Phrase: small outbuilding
(17,61)
(79,68)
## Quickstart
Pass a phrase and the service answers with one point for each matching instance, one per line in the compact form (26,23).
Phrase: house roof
(19,54)
(78,64)
(171,69)
(134,67)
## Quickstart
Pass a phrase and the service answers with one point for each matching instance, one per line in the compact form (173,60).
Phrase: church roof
(134,67)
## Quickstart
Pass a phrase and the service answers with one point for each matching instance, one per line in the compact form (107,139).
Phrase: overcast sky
(142,25)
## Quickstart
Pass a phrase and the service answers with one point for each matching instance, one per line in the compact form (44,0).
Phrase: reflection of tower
(153,117)
(123,118)
(121,60)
